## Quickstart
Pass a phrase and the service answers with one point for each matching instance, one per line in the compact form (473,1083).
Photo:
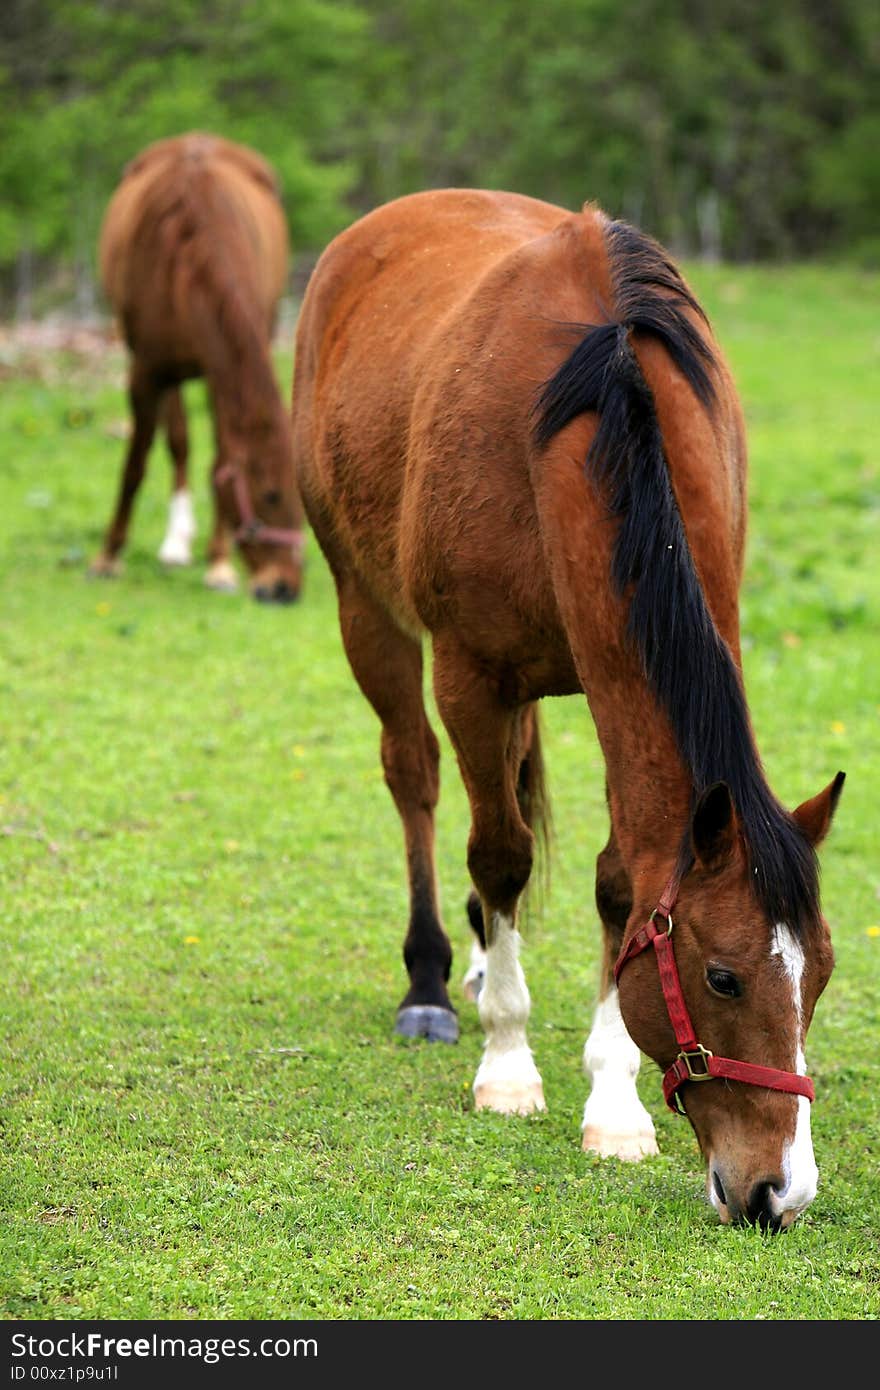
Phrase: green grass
(204,1111)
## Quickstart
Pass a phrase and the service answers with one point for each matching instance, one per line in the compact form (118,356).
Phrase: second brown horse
(194,257)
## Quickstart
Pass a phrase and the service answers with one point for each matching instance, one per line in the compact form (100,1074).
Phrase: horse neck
(243,387)
(649,787)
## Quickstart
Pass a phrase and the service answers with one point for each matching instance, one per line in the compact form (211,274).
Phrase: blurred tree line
(735,129)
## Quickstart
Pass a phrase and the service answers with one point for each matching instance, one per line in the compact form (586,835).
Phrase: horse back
(369,344)
(426,333)
(189,212)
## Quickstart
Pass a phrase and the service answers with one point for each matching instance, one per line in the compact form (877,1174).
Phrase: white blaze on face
(798,1161)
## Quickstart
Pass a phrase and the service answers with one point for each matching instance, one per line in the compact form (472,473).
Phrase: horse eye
(272,498)
(724,982)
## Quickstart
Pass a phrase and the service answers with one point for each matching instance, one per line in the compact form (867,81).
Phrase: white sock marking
(616,1119)
(176,548)
(504,1006)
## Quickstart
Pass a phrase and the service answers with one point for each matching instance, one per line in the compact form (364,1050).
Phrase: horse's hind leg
(388,667)
(144,398)
(616,1123)
(176,548)
(488,739)
(475,976)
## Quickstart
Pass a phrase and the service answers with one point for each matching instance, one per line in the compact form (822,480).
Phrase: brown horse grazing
(194,258)
(515,432)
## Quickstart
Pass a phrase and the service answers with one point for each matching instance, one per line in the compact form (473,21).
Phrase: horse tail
(686,661)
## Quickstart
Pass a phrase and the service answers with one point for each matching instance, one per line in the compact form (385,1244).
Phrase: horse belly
(480,571)
(527,655)
(354,520)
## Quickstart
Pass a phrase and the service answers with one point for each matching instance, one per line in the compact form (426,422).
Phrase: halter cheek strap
(694,1061)
(251,528)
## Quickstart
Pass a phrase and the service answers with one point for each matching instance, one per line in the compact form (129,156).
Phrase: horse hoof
(103,567)
(222,579)
(629,1148)
(505,1098)
(428,1021)
(174,555)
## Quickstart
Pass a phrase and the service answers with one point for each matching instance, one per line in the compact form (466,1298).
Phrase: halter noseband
(251,528)
(695,1062)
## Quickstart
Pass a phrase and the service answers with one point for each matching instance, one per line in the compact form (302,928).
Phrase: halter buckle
(696,1063)
(702,1054)
(249,531)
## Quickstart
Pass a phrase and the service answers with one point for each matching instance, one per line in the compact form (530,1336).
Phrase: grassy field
(204,1111)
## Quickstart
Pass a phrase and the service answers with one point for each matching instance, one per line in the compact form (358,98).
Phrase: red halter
(251,528)
(695,1062)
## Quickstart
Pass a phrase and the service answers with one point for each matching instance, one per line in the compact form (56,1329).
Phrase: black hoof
(427,1021)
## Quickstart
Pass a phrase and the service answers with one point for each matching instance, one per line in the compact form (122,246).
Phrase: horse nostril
(759,1211)
(719,1190)
(279,592)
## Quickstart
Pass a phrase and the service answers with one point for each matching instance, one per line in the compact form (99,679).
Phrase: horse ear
(814,816)
(713,826)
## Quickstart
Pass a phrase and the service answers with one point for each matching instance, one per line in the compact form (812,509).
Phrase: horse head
(723,1003)
(258,499)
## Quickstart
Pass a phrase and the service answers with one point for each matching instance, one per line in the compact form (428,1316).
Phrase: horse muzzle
(768,1203)
(278,590)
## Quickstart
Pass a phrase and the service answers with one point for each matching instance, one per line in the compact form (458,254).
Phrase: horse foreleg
(616,1123)
(144,400)
(487,739)
(388,667)
(176,548)
(220,574)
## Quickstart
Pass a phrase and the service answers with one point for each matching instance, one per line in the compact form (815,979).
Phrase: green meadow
(204,1110)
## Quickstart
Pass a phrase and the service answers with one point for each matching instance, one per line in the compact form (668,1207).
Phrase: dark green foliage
(736,130)
(84,87)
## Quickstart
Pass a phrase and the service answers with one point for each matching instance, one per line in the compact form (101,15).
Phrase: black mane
(686,661)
